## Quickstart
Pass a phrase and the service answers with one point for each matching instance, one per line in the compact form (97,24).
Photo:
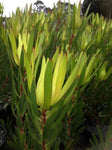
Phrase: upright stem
(69,132)
(43,125)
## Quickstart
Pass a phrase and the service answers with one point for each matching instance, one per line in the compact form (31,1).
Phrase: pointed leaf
(60,78)
(28,70)
(30,44)
(108,73)
(33,97)
(13,45)
(19,46)
(40,84)
(55,56)
(81,78)
(72,76)
(48,84)
(55,74)
(22,58)
(90,66)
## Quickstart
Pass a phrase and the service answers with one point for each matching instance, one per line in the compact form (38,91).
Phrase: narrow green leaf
(55,56)
(108,73)
(42,37)
(13,45)
(60,78)
(48,84)
(25,39)
(28,70)
(61,115)
(103,71)
(67,96)
(90,66)
(47,129)
(37,62)
(30,44)
(82,75)
(81,62)
(36,47)
(22,59)
(55,74)
(71,77)
(33,97)
(40,84)
(19,46)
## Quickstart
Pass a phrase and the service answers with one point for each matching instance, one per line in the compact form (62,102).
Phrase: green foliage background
(88,41)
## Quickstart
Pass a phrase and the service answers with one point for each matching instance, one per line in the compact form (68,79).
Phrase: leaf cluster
(37,45)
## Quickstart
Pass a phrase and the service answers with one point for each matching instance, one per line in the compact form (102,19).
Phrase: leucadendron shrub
(97,97)
(53,59)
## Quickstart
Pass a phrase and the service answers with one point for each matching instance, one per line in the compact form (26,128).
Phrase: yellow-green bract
(51,80)
(52,84)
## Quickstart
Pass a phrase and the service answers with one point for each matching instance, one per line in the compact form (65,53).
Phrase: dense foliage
(60,67)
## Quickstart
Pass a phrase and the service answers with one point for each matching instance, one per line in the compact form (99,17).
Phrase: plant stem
(69,132)
(43,145)
(43,125)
